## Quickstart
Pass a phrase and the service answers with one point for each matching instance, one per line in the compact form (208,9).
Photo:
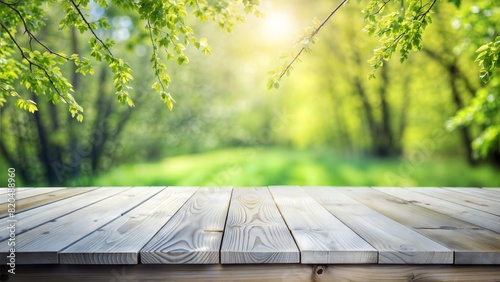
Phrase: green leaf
(167,98)
(316,22)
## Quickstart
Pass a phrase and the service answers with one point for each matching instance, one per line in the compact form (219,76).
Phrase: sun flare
(278,25)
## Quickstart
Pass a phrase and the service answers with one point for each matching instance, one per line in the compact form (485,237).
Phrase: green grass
(269,166)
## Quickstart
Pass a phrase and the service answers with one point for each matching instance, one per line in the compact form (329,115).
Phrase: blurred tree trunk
(464,131)
(455,76)
(18,157)
(47,154)
(385,143)
(100,132)
(385,139)
(103,131)
(405,103)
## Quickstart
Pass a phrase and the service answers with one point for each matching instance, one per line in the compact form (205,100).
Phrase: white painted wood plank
(30,193)
(490,194)
(194,234)
(471,215)
(38,216)
(465,200)
(40,200)
(320,236)
(120,241)
(471,243)
(42,244)
(4,191)
(255,231)
(396,243)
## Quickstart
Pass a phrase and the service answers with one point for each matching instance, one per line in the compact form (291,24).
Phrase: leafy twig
(312,36)
(31,63)
(277,74)
(82,16)
(28,31)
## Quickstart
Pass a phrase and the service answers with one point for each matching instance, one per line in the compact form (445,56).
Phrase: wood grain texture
(23,194)
(42,244)
(43,199)
(396,243)
(490,194)
(478,203)
(471,243)
(410,273)
(320,236)
(4,191)
(194,234)
(471,215)
(38,216)
(255,231)
(120,241)
(255,272)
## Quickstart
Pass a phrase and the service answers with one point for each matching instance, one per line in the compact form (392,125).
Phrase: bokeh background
(328,124)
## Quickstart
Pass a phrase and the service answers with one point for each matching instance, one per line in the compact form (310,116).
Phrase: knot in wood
(319,270)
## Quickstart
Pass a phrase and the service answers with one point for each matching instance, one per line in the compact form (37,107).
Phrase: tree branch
(381,7)
(311,36)
(398,38)
(90,27)
(155,54)
(31,63)
(28,31)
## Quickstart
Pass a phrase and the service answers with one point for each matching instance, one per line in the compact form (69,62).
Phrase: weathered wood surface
(255,231)
(472,201)
(258,226)
(320,236)
(35,201)
(396,243)
(471,243)
(490,194)
(471,215)
(23,194)
(42,244)
(38,216)
(4,191)
(120,241)
(194,234)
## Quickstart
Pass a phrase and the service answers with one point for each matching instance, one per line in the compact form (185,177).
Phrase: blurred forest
(226,128)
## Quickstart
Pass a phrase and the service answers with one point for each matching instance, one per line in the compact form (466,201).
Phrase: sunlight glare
(278,25)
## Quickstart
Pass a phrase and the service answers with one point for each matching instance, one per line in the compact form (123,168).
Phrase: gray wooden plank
(194,234)
(471,215)
(320,236)
(30,193)
(4,191)
(490,194)
(35,217)
(40,200)
(42,244)
(465,200)
(120,241)
(471,243)
(396,243)
(255,231)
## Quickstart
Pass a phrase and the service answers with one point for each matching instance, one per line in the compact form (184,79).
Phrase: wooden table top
(252,225)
